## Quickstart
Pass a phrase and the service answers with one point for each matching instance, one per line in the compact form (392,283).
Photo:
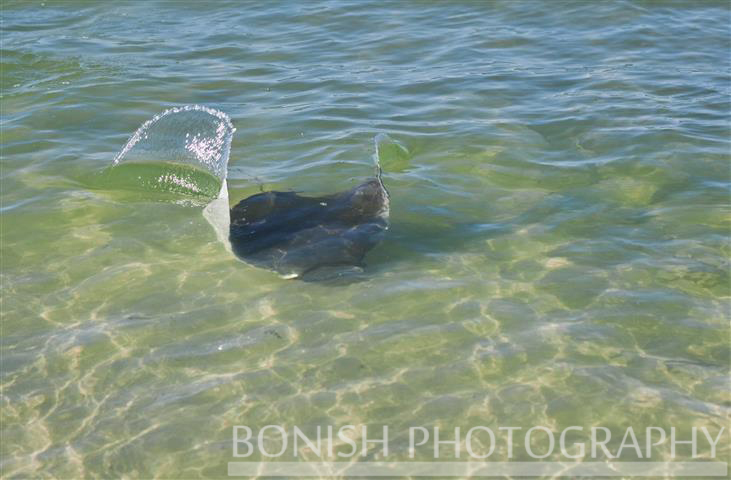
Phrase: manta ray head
(369,200)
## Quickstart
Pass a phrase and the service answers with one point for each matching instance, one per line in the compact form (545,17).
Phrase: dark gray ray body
(310,237)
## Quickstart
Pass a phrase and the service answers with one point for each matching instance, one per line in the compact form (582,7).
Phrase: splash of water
(191,135)
(390,154)
(182,151)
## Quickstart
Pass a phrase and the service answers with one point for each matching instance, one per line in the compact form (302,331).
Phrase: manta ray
(310,237)
(297,236)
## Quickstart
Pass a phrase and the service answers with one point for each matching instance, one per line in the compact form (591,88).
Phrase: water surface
(559,243)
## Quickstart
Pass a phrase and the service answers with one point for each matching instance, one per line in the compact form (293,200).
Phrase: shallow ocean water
(558,252)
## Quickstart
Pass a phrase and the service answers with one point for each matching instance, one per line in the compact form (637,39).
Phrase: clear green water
(559,250)
(153,179)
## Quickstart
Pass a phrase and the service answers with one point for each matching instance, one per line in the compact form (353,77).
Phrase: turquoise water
(558,252)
